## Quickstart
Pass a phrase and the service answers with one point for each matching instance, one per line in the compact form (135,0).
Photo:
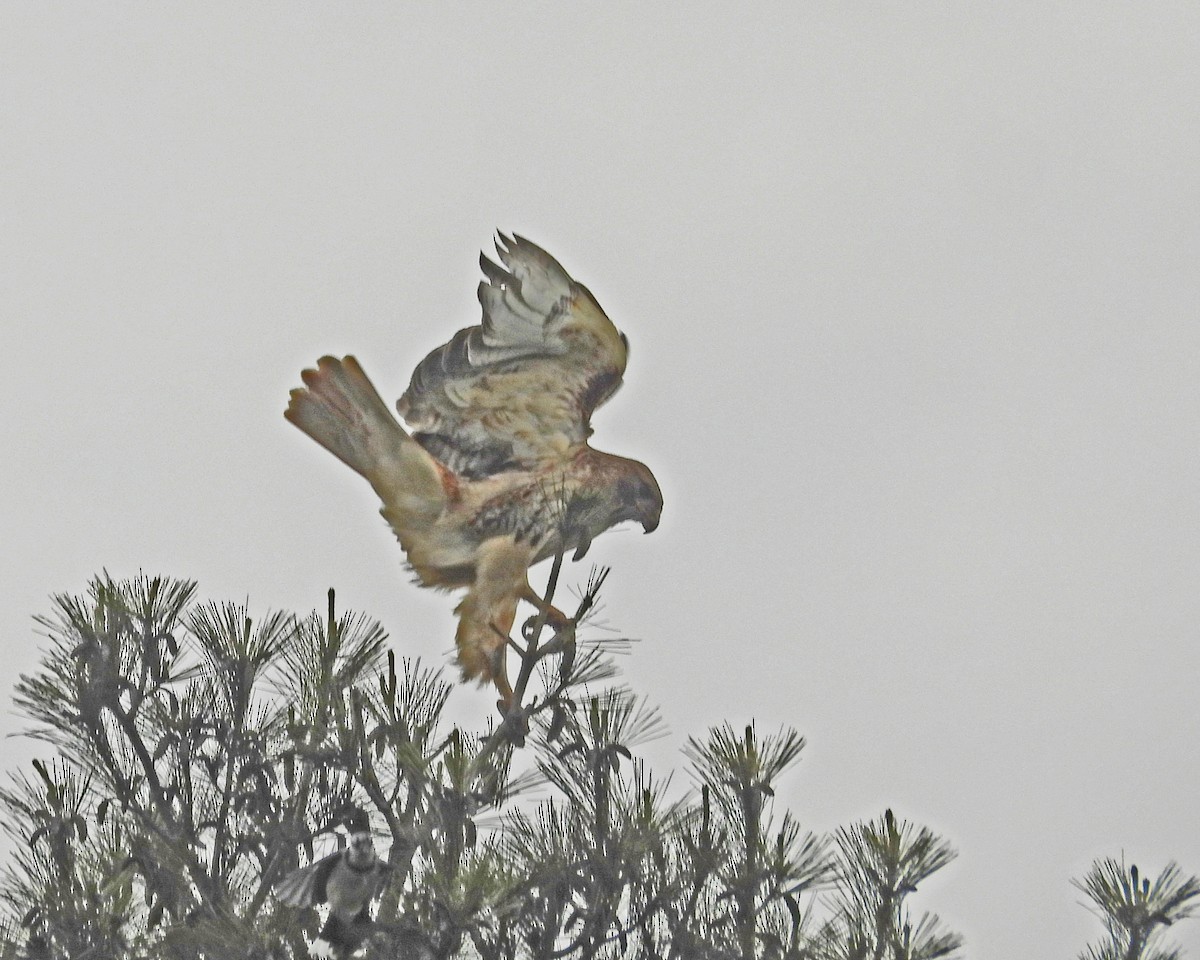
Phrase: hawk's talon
(563,639)
(561,625)
(529,627)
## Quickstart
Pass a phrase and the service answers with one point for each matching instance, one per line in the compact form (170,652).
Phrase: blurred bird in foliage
(498,474)
(348,881)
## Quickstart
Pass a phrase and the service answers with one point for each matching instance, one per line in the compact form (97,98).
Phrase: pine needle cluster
(199,755)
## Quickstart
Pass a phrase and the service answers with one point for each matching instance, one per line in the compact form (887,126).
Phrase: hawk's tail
(341,409)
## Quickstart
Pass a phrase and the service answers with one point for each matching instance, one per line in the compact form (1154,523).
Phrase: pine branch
(1136,909)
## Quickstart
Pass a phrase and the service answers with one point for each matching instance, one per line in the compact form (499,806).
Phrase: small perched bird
(348,881)
(498,474)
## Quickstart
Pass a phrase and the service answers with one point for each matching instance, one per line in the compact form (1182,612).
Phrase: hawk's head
(638,496)
(615,489)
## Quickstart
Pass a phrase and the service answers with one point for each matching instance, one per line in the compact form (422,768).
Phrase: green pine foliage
(200,755)
(1136,910)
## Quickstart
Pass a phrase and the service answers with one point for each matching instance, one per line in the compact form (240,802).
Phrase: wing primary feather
(516,303)
(540,332)
(492,270)
(505,323)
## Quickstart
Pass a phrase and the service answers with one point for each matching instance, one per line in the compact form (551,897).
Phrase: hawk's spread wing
(519,389)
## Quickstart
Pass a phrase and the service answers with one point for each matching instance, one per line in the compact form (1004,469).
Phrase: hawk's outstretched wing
(518,390)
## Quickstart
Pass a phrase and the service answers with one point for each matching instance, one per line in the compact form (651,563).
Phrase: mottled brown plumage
(498,474)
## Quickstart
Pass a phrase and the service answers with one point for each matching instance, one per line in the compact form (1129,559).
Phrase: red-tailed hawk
(498,474)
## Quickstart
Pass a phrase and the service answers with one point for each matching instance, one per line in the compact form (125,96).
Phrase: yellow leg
(554,617)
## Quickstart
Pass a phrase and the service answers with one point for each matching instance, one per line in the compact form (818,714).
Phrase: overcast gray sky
(912,294)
